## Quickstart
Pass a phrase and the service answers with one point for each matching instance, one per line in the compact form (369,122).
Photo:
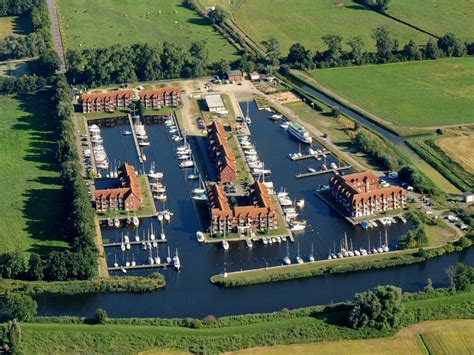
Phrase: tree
(35,267)
(47,63)
(431,50)
(429,286)
(461,276)
(172,61)
(298,55)
(385,44)
(200,56)
(335,111)
(12,265)
(411,51)
(334,44)
(216,16)
(451,45)
(382,5)
(381,308)
(272,48)
(357,49)
(13,333)
(17,306)
(412,177)
(101,316)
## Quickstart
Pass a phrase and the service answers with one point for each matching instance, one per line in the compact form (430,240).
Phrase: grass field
(460,149)
(17,25)
(314,326)
(32,205)
(439,337)
(306,21)
(91,23)
(415,94)
(437,16)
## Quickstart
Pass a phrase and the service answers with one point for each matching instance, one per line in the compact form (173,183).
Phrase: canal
(189,292)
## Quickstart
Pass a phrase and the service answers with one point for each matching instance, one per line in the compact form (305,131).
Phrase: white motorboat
(201,197)
(127,133)
(200,236)
(285,201)
(297,226)
(333,166)
(291,215)
(184,157)
(285,125)
(311,170)
(176,138)
(249,242)
(300,203)
(199,191)
(186,164)
(276,116)
(160,196)
(193,176)
(299,132)
(144,143)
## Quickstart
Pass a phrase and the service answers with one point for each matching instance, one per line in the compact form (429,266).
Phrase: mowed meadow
(437,16)
(414,94)
(306,21)
(32,202)
(92,23)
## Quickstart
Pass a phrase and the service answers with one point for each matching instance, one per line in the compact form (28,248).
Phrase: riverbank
(310,324)
(337,266)
(112,284)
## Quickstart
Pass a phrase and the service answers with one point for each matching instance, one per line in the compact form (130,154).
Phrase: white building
(215,104)
(468,197)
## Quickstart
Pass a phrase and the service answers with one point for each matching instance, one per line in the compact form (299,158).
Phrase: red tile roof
(159,93)
(107,95)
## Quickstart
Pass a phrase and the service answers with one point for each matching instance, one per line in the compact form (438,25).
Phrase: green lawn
(32,205)
(92,23)
(415,94)
(437,16)
(306,21)
(17,25)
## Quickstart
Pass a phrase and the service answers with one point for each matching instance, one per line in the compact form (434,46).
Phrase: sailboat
(122,245)
(199,190)
(248,120)
(200,236)
(133,260)
(379,248)
(385,246)
(162,235)
(298,258)
(225,243)
(311,256)
(152,235)
(137,237)
(176,261)
(194,175)
(148,243)
(144,241)
(287,259)
(116,223)
(151,261)
(248,241)
(300,203)
(135,221)
(157,258)
(168,258)
(115,262)
(127,263)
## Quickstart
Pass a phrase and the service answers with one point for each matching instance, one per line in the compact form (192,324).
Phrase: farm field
(461,149)
(439,337)
(91,23)
(306,21)
(17,25)
(414,94)
(437,16)
(32,201)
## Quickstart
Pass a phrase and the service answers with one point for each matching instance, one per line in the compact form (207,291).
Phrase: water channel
(189,292)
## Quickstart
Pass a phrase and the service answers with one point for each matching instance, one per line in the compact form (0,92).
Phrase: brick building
(360,194)
(260,214)
(221,153)
(156,99)
(127,197)
(106,102)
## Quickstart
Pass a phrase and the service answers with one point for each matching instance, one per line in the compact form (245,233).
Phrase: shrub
(101,316)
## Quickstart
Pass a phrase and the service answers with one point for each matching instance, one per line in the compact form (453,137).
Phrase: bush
(17,306)
(461,276)
(101,316)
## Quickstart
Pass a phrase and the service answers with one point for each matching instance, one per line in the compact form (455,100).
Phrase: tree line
(140,62)
(33,44)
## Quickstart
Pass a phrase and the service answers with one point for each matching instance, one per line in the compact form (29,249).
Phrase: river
(189,292)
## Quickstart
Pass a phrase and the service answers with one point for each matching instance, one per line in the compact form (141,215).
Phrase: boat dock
(111,245)
(320,172)
(135,140)
(308,156)
(139,267)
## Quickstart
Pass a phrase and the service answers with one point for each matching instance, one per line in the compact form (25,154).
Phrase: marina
(320,172)
(200,261)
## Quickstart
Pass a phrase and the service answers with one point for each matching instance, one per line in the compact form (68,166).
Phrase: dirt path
(56,34)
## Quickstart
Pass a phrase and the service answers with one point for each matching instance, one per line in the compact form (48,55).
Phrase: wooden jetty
(135,140)
(140,267)
(320,172)
(308,156)
(134,242)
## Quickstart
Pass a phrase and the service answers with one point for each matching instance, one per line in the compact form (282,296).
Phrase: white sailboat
(151,261)
(200,236)
(157,258)
(287,259)
(152,234)
(116,223)
(176,261)
(199,190)
(115,262)
(168,258)
(225,243)
(133,260)
(135,221)
(300,203)
(122,245)
(298,258)
(311,256)
(248,120)
(162,235)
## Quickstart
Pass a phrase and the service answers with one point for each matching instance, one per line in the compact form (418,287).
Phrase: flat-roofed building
(215,104)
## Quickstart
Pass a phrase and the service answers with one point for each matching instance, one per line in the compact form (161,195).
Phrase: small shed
(254,76)
(468,197)
(234,75)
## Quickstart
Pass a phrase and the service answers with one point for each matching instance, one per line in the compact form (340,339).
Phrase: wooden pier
(140,267)
(135,140)
(321,172)
(111,245)
(309,156)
